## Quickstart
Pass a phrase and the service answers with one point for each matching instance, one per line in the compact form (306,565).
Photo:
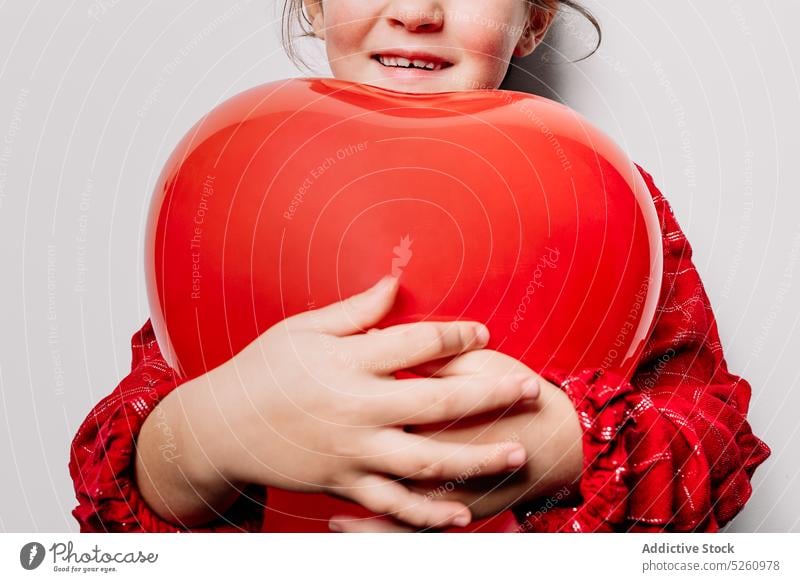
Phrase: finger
(471,362)
(410,344)
(420,458)
(349,524)
(390,498)
(351,315)
(426,400)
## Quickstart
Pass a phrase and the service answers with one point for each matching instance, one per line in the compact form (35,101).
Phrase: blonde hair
(294,12)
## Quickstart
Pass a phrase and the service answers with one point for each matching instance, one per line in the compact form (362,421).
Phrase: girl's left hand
(548,428)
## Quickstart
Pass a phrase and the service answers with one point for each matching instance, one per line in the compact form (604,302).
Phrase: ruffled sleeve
(671,450)
(102,455)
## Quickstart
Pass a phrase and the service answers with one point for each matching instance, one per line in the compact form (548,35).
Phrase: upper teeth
(401,62)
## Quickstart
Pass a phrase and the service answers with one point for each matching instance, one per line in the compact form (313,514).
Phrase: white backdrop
(95,93)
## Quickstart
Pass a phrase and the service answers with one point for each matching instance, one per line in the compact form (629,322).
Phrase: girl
(671,450)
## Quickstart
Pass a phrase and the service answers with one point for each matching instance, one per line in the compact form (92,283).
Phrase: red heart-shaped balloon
(491,205)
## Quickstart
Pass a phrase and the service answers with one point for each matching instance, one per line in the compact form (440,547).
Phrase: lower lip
(408,72)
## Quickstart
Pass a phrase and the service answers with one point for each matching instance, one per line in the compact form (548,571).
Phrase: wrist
(166,469)
(554,441)
(203,434)
(602,401)
(570,442)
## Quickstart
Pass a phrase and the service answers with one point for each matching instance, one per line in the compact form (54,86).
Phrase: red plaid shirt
(671,450)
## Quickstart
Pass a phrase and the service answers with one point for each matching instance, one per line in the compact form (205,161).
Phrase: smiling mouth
(397,62)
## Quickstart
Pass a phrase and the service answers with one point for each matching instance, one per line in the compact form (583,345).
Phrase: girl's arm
(199,441)
(669,451)
(104,449)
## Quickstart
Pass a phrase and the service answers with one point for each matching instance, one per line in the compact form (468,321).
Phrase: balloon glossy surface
(491,205)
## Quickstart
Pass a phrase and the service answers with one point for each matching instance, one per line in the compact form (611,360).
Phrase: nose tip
(416,20)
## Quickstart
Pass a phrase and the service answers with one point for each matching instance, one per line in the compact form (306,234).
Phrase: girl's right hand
(312,405)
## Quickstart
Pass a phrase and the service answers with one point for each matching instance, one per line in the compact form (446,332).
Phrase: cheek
(347,27)
(490,44)
(486,54)
(489,31)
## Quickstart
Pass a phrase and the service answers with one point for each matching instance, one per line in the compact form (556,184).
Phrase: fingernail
(461,520)
(334,526)
(530,389)
(482,334)
(516,457)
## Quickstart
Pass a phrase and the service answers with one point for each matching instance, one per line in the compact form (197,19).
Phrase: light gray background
(95,93)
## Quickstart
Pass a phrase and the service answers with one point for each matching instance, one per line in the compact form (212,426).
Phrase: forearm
(551,434)
(174,471)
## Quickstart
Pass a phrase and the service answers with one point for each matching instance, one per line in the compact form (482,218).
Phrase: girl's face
(455,45)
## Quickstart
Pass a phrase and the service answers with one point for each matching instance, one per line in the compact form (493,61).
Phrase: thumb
(352,315)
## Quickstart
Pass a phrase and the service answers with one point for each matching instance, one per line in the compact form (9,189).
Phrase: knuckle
(407,338)
(338,480)
(434,470)
(347,448)
(448,404)
(278,334)
(412,514)
(510,388)
(413,468)
(433,338)
(500,390)
(466,335)
(382,506)
(288,324)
